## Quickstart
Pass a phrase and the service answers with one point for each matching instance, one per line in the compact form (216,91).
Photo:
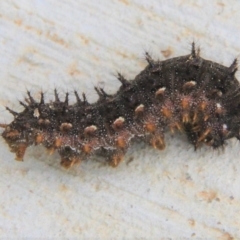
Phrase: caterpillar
(188,93)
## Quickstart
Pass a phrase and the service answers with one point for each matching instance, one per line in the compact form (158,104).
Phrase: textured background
(177,193)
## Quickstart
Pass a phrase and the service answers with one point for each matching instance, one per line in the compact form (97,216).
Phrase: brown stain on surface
(221,4)
(207,196)
(63,188)
(122,54)
(73,70)
(191,222)
(32,29)
(18,22)
(126,2)
(55,38)
(227,236)
(84,39)
(167,53)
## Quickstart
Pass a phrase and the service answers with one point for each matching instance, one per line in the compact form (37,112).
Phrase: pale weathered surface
(177,193)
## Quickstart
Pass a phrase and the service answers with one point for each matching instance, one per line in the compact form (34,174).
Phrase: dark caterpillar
(188,93)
